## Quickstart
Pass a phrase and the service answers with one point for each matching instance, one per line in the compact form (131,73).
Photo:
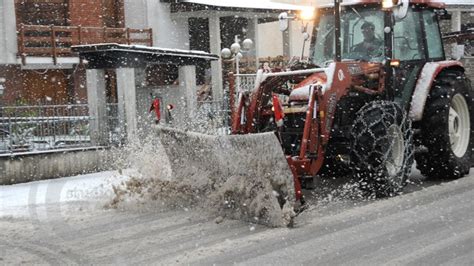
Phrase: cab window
(433,37)
(407,38)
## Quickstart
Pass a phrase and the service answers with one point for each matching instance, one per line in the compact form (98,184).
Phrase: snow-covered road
(63,221)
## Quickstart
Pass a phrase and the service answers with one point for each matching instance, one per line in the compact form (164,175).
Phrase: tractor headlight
(308,13)
(387,4)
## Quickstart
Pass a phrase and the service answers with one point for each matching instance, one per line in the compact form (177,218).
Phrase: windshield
(361,35)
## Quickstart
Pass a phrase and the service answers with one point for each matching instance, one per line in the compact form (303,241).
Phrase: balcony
(56,41)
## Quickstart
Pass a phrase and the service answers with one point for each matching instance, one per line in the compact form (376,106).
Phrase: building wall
(8,43)
(168,31)
(2,32)
(52,164)
(86,12)
(297,39)
(270,42)
(466,17)
(42,86)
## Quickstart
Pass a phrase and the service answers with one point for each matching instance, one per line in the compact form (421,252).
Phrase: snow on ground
(430,225)
(17,200)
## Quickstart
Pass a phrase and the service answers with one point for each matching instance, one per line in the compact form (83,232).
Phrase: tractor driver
(371,45)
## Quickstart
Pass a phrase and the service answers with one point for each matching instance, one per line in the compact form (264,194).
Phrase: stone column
(216,66)
(187,83)
(97,106)
(455,26)
(253,35)
(286,43)
(8,34)
(127,102)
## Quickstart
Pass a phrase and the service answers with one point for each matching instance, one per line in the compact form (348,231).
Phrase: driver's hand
(372,49)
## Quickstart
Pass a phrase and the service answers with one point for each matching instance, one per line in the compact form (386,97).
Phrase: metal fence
(217,114)
(55,126)
(114,129)
(45,127)
(246,82)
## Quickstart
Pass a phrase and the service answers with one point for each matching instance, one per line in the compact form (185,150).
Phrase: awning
(253,4)
(241,4)
(112,55)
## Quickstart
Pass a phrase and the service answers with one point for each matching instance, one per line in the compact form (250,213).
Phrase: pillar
(455,26)
(216,66)
(286,43)
(252,33)
(187,83)
(96,99)
(127,102)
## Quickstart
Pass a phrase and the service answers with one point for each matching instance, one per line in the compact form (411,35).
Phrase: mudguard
(422,89)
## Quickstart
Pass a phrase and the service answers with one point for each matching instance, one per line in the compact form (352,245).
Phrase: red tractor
(376,95)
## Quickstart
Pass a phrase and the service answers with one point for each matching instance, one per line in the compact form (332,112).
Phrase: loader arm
(319,107)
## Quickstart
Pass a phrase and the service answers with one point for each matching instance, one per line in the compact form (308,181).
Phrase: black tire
(440,160)
(381,135)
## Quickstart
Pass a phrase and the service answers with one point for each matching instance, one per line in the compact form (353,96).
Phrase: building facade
(37,65)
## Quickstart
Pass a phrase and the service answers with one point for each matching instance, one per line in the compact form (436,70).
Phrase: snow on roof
(253,4)
(457,2)
(448,3)
(143,48)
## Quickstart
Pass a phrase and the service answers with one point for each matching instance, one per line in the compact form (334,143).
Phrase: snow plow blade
(243,176)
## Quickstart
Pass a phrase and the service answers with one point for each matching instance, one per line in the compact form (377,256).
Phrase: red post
(79,31)
(104,36)
(21,44)
(128,36)
(151,36)
(53,45)
(231,92)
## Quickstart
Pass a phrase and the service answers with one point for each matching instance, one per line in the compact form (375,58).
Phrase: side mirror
(400,11)
(443,14)
(283,19)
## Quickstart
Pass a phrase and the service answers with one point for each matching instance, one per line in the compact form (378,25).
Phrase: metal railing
(45,127)
(115,134)
(54,41)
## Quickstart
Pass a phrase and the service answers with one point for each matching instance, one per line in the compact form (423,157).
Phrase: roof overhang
(231,5)
(330,3)
(111,55)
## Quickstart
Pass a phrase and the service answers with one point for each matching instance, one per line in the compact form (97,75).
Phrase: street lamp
(2,88)
(235,53)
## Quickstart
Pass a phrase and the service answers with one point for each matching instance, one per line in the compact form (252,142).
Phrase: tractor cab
(370,31)
(399,36)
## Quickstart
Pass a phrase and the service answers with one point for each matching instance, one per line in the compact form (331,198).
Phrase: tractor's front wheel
(446,128)
(382,148)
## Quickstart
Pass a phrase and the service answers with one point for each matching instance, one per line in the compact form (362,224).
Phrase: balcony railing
(56,41)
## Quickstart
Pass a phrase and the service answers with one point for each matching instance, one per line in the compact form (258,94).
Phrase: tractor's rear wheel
(382,148)
(446,128)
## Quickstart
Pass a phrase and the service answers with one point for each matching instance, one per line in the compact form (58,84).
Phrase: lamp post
(235,53)
(2,86)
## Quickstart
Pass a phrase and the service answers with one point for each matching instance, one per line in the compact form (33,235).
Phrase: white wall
(296,39)
(8,38)
(167,32)
(271,39)
(2,33)
(270,42)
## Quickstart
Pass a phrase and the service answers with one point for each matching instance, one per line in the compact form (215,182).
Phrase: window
(407,38)
(362,35)
(433,38)
(42,12)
